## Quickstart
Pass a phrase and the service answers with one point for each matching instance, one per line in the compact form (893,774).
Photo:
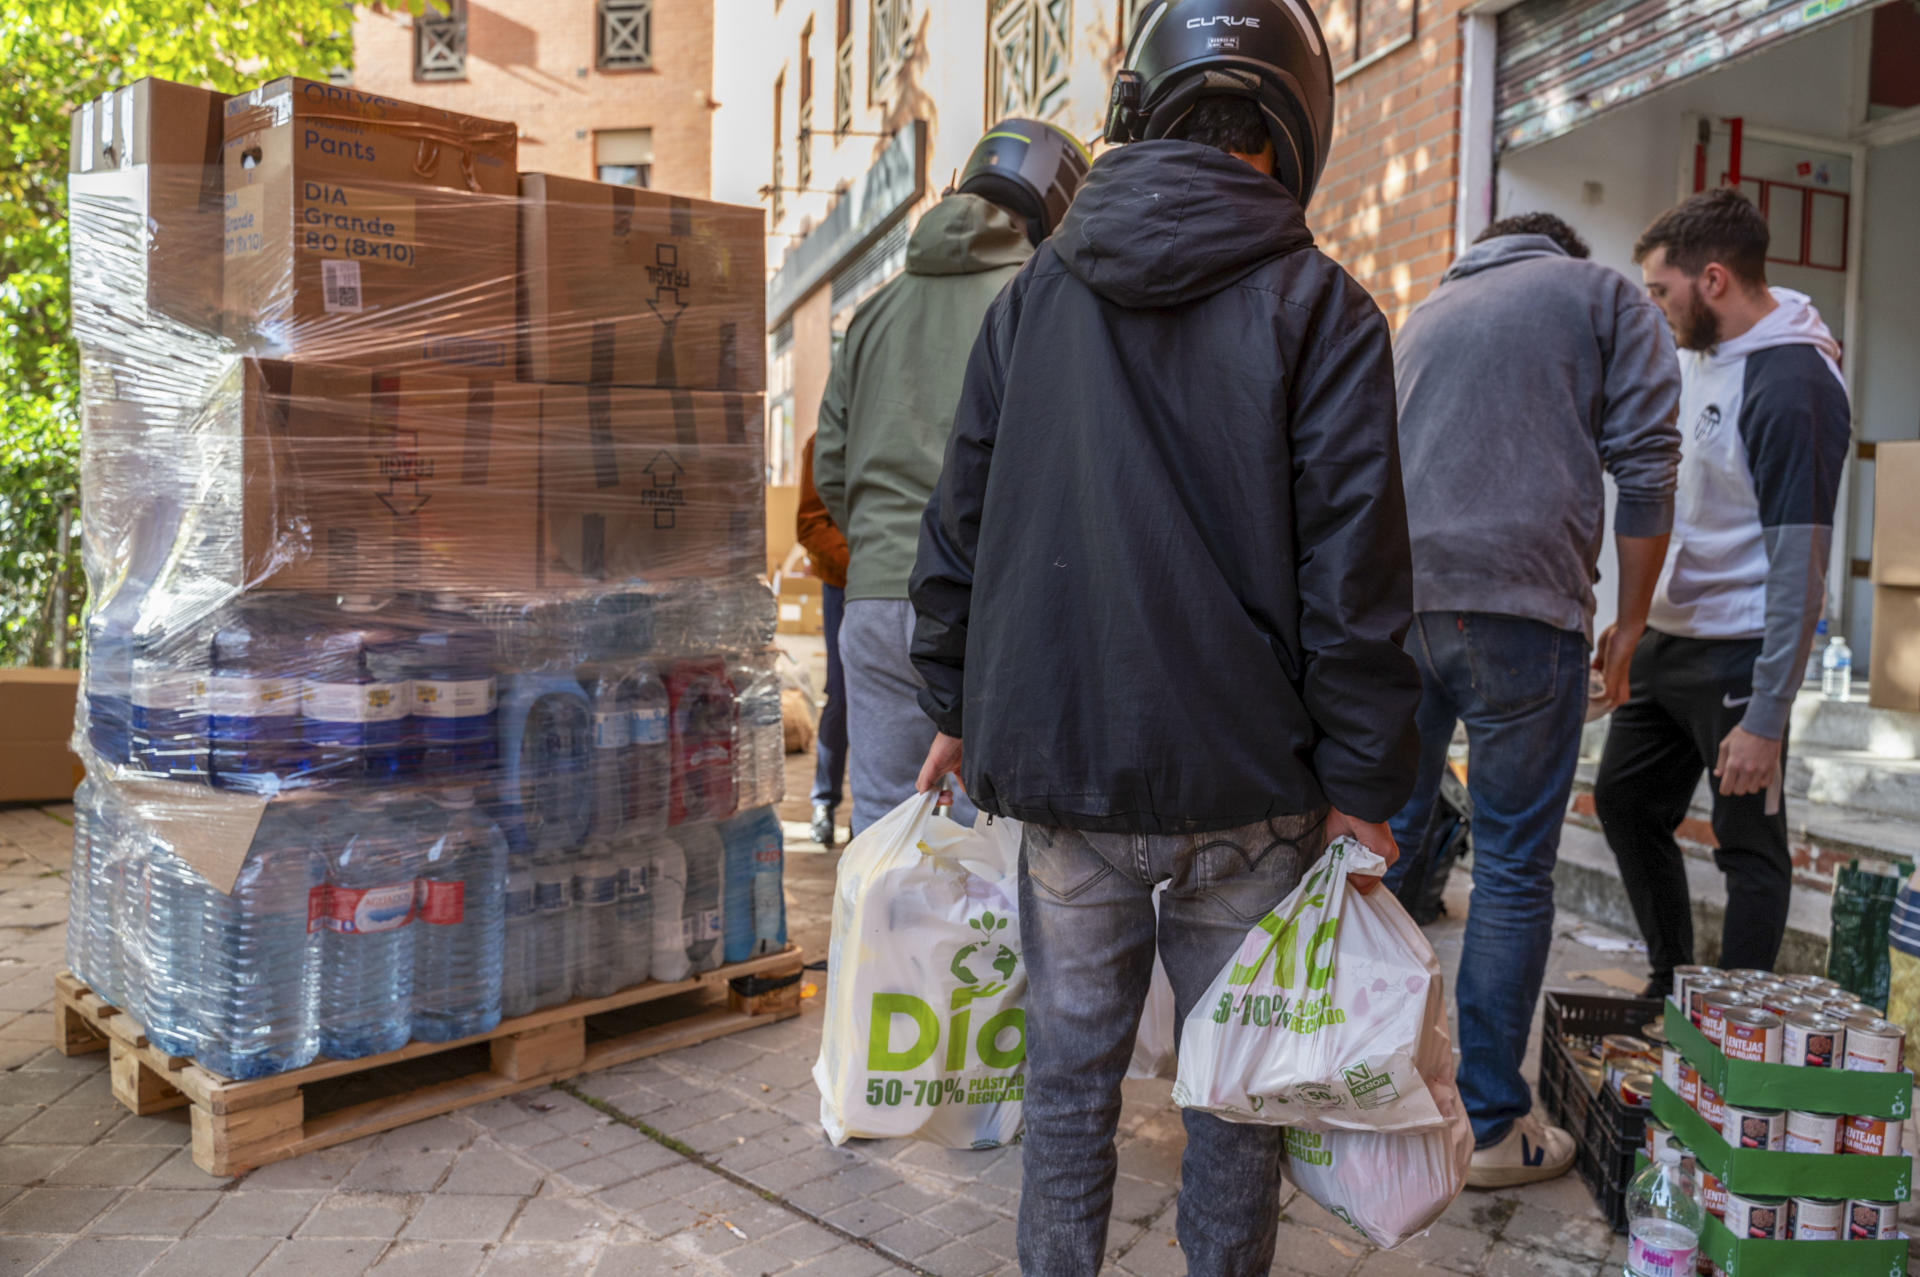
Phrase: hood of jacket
(1501,250)
(1792,322)
(965,235)
(1164,223)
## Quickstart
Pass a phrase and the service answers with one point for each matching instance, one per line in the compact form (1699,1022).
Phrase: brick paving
(706,1161)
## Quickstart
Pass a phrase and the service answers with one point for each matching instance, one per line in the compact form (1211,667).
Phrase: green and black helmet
(1029,167)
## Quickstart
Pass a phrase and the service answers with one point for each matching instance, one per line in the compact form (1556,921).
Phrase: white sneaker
(1531,1151)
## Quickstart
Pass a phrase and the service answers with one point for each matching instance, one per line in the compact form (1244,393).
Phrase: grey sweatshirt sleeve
(830,443)
(1797,427)
(1639,443)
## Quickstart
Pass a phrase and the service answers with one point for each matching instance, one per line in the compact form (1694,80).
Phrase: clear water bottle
(455,699)
(746,741)
(167,735)
(704,917)
(86,830)
(702,728)
(366,982)
(756,911)
(172,909)
(761,706)
(546,754)
(611,692)
(460,936)
(633,915)
(552,907)
(667,886)
(596,923)
(1836,670)
(108,847)
(517,993)
(1664,1218)
(357,700)
(259,992)
(253,696)
(107,681)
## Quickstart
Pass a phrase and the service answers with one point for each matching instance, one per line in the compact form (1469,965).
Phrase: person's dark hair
(1721,225)
(1538,224)
(1226,124)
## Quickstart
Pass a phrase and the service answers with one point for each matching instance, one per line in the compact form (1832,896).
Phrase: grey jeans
(888,734)
(1088,936)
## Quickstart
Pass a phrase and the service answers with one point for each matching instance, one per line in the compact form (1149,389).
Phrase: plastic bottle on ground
(667,887)
(517,996)
(254,689)
(1664,1218)
(704,915)
(366,983)
(1836,670)
(259,994)
(595,930)
(459,941)
(552,904)
(633,916)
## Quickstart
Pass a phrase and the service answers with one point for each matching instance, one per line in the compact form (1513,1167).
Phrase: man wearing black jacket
(1162,587)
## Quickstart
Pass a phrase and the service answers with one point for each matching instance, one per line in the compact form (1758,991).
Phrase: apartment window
(805,154)
(440,41)
(842,67)
(624,156)
(779,157)
(1027,57)
(626,35)
(892,44)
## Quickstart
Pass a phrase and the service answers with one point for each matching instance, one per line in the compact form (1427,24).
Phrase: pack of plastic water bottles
(427,677)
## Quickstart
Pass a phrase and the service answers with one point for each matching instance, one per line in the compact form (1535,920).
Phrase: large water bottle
(366,984)
(546,748)
(107,681)
(357,698)
(667,886)
(552,906)
(760,707)
(108,846)
(704,917)
(168,732)
(1664,1218)
(460,937)
(746,741)
(596,922)
(756,911)
(253,695)
(455,699)
(172,908)
(517,993)
(650,743)
(702,728)
(86,829)
(611,691)
(633,915)
(1836,670)
(259,993)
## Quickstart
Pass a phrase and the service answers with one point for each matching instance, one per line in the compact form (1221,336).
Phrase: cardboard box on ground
(1893,677)
(36,724)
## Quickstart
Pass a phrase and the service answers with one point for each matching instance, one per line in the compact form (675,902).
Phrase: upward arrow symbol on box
(664,477)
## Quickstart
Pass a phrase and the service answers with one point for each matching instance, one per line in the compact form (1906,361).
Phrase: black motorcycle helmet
(1268,51)
(1029,167)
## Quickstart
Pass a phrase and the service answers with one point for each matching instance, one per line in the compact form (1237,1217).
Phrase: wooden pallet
(241,1125)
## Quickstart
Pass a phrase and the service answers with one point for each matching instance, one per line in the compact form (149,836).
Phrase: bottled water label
(648,726)
(366,910)
(454,698)
(633,883)
(520,902)
(230,697)
(610,729)
(701,925)
(550,896)
(602,889)
(1648,1258)
(441,904)
(156,687)
(358,702)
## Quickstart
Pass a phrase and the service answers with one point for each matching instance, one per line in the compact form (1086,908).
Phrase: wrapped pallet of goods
(428,695)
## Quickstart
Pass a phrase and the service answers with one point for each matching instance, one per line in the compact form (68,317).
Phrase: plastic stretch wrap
(423,522)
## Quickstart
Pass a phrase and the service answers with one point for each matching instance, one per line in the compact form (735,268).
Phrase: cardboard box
(624,286)
(144,197)
(650,483)
(1896,522)
(363,230)
(800,605)
(1893,672)
(36,724)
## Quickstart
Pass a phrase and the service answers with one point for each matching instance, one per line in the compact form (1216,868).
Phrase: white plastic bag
(925,1033)
(1319,1020)
(1388,1188)
(1153,1050)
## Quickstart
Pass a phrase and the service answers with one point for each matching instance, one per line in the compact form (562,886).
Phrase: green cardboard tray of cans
(1790,1096)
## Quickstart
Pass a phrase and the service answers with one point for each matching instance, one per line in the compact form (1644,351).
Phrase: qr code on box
(340,286)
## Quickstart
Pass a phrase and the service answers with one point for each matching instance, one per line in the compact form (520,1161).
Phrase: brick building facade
(619,89)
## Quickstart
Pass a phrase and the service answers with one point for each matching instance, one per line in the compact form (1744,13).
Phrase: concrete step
(1855,726)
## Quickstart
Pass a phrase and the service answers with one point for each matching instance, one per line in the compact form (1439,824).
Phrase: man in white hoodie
(1765,429)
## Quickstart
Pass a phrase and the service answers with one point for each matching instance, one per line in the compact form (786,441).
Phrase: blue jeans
(1088,935)
(1520,687)
(830,746)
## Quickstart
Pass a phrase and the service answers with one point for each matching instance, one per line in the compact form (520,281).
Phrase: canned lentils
(1713,1194)
(1812,1132)
(1755,1218)
(1872,1221)
(1814,1219)
(1698,991)
(1811,1040)
(1670,1068)
(1709,1108)
(1685,977)
(1743,1127)
(1874,1045)
(1749,1033)
(1689,1088)
(1873,1136)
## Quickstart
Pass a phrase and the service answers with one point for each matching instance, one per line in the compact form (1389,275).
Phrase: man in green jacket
(885,419)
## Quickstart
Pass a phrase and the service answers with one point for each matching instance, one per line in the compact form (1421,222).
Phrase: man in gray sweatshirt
(1525,375)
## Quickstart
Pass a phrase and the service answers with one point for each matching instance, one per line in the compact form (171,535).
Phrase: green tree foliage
(57,55)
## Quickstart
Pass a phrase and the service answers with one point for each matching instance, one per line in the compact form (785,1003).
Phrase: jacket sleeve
(1355,567)
(815,529)
(1797,427)
(830,441)
(942,585)
(1639,442)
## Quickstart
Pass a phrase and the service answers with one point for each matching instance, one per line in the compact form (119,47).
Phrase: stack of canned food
(1807,1022)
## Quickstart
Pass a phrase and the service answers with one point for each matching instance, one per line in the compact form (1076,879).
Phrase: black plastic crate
(1606,1133)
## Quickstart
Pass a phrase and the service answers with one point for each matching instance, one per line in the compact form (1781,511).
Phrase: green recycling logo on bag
(989,1043)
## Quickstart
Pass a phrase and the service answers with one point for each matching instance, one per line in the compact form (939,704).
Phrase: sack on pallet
(1319,1019)
(925,1033)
